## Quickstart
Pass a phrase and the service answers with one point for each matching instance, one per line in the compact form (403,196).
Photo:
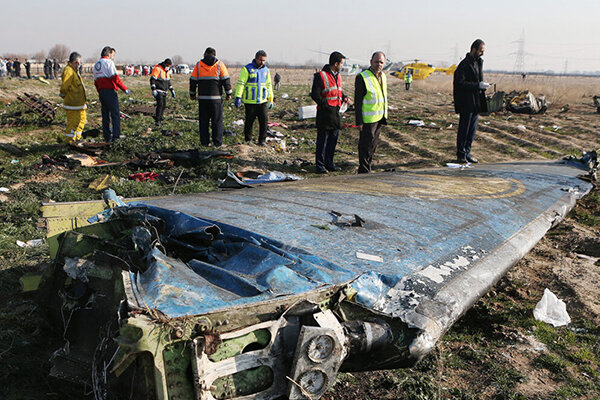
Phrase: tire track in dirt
(413,147)
(519,142)
(549,139)
(500,149)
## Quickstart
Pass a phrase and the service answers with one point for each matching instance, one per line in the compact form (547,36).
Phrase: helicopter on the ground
(421,70)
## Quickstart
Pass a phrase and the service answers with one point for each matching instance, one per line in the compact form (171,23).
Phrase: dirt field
(496,351)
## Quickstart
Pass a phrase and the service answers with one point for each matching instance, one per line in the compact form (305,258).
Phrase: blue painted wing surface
(428,228)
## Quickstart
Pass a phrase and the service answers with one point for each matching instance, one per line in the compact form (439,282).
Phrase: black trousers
(210,112)
(161,104)
(367,144)
(467,126)
(326,142)
(254,111)
(28,72)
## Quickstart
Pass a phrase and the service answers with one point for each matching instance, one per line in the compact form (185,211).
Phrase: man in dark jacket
(17,67)
(327,93)
(160,82)
(208,81)
(469,99)
(28,69)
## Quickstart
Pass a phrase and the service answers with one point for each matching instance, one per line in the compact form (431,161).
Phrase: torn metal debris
(234,294)
(39,106)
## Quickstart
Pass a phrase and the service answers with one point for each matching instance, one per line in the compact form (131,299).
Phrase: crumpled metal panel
(225,267)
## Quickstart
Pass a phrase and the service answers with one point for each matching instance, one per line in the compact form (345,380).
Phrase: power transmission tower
(566,66)
(520,54)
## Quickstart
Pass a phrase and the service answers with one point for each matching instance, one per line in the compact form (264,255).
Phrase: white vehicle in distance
(183,69)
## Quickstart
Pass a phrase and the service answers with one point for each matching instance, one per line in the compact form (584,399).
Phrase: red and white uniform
(106,76)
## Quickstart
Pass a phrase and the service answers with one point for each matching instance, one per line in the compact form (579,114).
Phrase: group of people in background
(210,80)
(12,68)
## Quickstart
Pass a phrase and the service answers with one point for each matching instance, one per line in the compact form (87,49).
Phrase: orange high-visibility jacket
(208,79)
(160,79)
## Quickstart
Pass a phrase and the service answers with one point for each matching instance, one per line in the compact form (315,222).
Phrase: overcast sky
(556,32)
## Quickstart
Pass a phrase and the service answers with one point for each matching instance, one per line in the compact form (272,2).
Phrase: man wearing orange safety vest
(327,93)
(208,79)
(160,82)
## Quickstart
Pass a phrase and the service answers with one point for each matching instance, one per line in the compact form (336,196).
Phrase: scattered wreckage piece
(597,103)
(526,103)
(36,104)
(232,295)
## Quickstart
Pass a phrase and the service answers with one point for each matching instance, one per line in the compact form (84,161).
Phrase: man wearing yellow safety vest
(254,88)
(209,78)
(160,82)
(408,79)
(371,106)
(73,93)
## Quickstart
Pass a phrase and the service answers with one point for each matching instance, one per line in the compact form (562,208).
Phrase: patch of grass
(584,217)
(552,363)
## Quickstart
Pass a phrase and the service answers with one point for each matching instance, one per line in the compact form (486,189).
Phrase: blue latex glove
(173,94)
(270,105)
(238,102)
(154,93)
(127,91)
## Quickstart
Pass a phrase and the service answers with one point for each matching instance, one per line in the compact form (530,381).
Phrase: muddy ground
(496,351)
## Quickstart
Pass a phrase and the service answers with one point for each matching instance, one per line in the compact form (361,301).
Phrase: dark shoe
(321,171)
(472,160)
(333,169)
(461,160)
(262,144)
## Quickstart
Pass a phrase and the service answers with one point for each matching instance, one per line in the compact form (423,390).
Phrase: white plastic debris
(392,108)
(416,122)
(285,96)
(456,165)
(343,108)
(555,127)
(30,243)
(551,310)
(522,128)
(4,190)
(238,122)
(307,112)
(369,257)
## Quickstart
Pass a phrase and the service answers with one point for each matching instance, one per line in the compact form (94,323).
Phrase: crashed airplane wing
(265,292)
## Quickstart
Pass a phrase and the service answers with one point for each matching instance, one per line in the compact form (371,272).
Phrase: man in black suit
(469,99)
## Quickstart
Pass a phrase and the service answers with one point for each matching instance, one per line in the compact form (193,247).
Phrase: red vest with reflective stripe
(332,89)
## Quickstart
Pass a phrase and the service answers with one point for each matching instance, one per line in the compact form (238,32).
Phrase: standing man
(277,80)
(408,79)
(56,68)
(327,93)
(74,99)
(371,106)
(47,69)
(469,99)
(207,81)
(3,70)
(17,67)
(107,82)
(160,82)
(28,69)
(255,89)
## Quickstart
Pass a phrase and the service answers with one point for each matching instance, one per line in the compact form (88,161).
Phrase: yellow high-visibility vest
(374,104)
